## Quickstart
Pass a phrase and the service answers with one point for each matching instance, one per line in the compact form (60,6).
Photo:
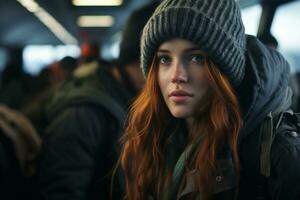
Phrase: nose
(179,73)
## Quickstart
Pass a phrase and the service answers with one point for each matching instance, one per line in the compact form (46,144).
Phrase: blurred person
(15,85)
(68,65)
(33,105)
(19,148)
(85,119)
(63,69)
(213,120)
(129,58)
(89,60)
(44,86)
(90,51)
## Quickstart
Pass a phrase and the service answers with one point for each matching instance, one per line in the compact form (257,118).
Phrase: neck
(189,122)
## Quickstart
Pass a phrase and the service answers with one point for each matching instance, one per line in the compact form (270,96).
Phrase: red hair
(143,158)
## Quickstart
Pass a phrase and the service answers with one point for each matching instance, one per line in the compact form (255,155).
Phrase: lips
(180,96)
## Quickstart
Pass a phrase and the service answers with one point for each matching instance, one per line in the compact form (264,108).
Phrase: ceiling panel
(20,27)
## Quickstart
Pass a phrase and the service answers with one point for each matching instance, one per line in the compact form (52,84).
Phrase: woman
(209,89)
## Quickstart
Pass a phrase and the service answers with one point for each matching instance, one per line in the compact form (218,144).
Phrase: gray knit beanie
(214,25)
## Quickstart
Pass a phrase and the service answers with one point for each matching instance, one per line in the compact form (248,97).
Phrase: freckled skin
(181,68)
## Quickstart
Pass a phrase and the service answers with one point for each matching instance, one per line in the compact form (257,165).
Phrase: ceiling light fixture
(97,2)
(96,21)
(48,20)
(31,5)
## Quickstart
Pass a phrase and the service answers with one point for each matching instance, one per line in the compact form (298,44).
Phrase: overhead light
(95,21)
(48,20)
(97,2)
(31,5)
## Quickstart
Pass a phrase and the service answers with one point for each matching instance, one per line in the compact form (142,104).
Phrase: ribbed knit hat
(215,26)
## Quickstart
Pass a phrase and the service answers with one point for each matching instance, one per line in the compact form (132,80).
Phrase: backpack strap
(179,171)
(225,177)
(266,142)
(271,127)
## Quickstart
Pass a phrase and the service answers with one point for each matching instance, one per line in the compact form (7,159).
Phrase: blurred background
(51,47)
(34,34)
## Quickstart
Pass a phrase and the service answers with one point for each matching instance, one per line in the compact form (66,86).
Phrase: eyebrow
(185,50)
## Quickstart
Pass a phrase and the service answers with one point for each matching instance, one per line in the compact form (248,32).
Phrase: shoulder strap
(226,172)
(179,171)
(260,155)
(255,155)
(180,168)
(267,134)
(270,128)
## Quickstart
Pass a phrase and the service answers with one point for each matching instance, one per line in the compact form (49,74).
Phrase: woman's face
(181,77)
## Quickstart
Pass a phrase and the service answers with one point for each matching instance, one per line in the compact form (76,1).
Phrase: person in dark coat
(80,147)
(213,102)
(84,122)
(80,144)
(128,64)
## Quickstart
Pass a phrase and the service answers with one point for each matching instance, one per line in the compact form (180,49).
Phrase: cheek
(201,83)
(198,75)
(162,82)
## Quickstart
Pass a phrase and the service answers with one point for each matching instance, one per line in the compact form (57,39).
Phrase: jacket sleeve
(71,146)
(285,175)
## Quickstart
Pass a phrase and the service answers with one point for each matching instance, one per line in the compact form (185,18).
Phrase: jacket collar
(265,86)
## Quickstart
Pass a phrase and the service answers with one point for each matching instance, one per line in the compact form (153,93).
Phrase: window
(251,16)
(37,57)
(286,29)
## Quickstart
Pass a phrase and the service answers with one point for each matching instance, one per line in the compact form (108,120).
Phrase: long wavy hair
(146,137)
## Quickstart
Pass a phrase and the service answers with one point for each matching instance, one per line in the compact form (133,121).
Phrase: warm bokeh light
(95,21)
(97,2)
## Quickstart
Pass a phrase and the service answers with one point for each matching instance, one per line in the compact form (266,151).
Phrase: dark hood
(265,86)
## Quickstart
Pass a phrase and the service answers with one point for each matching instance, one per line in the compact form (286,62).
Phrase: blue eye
(164,59)
(197,58)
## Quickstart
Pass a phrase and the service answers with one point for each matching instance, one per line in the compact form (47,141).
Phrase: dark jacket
(80,145)
(11,179)
(19,148)
(264,90)
(14,185)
